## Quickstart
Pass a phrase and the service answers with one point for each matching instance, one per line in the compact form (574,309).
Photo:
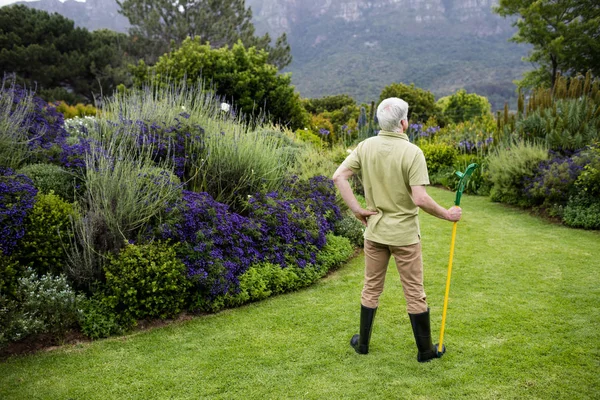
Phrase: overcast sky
(5,2)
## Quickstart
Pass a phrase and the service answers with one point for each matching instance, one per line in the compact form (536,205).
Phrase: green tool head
(464,178)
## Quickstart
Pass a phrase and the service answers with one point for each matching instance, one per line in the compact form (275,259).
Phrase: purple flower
(17,196)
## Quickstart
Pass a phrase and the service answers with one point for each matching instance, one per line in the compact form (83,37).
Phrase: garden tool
(464,178)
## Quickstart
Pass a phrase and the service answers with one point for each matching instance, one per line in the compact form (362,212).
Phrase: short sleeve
(418,174)
(352,162)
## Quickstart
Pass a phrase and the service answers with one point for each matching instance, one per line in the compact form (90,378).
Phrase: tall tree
(166,23)
(240,76)
(62,62)
(565,35)
(421,102)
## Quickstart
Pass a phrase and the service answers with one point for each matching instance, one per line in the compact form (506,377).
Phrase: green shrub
(510,168)
(265,279)
(583,209)
(582,212)
(311,162)
(45,304)
(145,281)
(337,251)
(478,183)
(51,178)
(567,124)
(10,272)
(240,164)
(350,228)
(588,181)
(307,136)
(47,235)
(462,106)
(554,181)
(438,156)
(97,320)
(421,101)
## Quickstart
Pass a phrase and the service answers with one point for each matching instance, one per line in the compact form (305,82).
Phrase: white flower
(225,107)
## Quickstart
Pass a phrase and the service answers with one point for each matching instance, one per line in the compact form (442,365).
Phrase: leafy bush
(510,168)
(45,304)
(291,234)
(588,181)
(312,161)
(582,212)
(475,136)
(462,106)
(10,272)
(350,228)
(15,108)
(240,164)
(125,193)
(478,183)
(583,208)
(438,156)
(47,236)
(421,102)
(240,74)
(294,222)
(337,251)
(145,281)
(30,129)
(97,320)
(217,245)
(79,126)
(307,136)
(51,178)
(567,124)
(17,196)
(78,110)
(328,103)
(554,181)
(265,279)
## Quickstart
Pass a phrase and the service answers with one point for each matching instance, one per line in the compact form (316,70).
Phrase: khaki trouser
(410,267)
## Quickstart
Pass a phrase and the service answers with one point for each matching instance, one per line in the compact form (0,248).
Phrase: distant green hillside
(463,46)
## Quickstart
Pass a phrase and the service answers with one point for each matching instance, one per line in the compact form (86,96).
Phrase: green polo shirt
(389,165)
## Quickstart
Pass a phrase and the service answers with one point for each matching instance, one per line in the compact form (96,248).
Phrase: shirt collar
(393,134)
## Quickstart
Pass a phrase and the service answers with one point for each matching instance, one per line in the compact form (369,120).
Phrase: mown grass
(523,322)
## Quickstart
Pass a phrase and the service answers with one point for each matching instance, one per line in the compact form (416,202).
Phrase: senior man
(394,175)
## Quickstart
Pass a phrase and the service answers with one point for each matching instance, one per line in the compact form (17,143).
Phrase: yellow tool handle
(441,344)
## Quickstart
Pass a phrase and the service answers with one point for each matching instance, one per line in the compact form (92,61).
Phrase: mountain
(360,46)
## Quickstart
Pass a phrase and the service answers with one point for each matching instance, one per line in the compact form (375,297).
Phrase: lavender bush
(17,196)
(554,181)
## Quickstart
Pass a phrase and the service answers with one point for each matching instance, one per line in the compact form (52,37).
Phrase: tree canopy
(421,102)
(328,103)
(47,52)
(462,106)
(239,75)
(166,24)
(565,36)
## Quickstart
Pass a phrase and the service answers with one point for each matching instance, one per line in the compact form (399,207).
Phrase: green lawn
(523,322)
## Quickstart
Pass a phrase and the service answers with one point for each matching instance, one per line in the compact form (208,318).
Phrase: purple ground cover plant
(554,181)
(286,228)
(17,196)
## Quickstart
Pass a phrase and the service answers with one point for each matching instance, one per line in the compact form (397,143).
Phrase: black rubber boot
(360,342)
(422,331)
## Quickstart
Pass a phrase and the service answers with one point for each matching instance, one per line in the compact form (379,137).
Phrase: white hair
(390,112)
